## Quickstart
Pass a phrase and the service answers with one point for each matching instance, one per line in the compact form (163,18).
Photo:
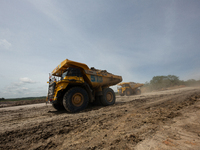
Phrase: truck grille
(120,91)
(51,90)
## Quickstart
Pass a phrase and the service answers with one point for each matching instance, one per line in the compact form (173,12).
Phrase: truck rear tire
(128,92)
(108,97)
(138,91)
(58,107)
(75,99)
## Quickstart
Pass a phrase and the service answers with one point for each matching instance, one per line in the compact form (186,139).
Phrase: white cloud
(26,80)
(5,44)
(22,88)
(14,89)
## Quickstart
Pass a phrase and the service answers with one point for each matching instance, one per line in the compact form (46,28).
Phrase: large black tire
(108,97)
(75,99)
(138,92)
(128,92)
(58,107)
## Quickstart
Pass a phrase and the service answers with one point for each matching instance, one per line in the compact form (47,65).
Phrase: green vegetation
(162,82)
(192,82)
(23,99)
(2,99)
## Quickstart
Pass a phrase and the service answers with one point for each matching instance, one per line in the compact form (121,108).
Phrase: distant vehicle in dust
(129,88)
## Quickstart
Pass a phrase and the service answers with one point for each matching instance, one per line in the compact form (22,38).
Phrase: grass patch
(24,99)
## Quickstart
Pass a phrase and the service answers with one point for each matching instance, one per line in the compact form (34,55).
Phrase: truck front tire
(75,99)
(58,107)
(108,97)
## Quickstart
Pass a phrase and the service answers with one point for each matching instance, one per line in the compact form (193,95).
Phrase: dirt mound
(21,102)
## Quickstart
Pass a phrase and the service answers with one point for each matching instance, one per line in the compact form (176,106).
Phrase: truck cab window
(72,72)
(64,74)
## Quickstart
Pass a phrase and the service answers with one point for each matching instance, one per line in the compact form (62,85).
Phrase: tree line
(1,99)
(160,82)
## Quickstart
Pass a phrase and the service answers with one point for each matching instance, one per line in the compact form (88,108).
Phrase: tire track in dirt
(121,126)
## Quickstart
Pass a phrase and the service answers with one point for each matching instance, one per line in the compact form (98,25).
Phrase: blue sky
(134,39)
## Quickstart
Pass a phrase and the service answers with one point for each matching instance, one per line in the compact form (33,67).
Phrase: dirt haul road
(152,121)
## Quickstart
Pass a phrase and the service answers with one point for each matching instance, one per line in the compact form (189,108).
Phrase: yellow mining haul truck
(72,85)
(129,88)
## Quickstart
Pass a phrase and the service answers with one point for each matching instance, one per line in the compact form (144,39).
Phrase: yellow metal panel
(66,64)
(100,80)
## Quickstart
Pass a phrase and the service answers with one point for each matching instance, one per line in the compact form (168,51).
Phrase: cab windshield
(125,85)
(68,72)
(72,72)
(119,87)
(64,74)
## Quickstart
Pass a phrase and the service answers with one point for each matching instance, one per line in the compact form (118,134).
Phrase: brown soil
(151,121)
(21,102)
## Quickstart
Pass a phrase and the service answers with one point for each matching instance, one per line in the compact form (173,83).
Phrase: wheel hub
(77,99)
(109,97)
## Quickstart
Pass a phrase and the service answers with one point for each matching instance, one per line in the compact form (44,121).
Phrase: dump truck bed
(95,77)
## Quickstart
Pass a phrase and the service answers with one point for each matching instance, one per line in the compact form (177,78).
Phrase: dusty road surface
(165,120)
